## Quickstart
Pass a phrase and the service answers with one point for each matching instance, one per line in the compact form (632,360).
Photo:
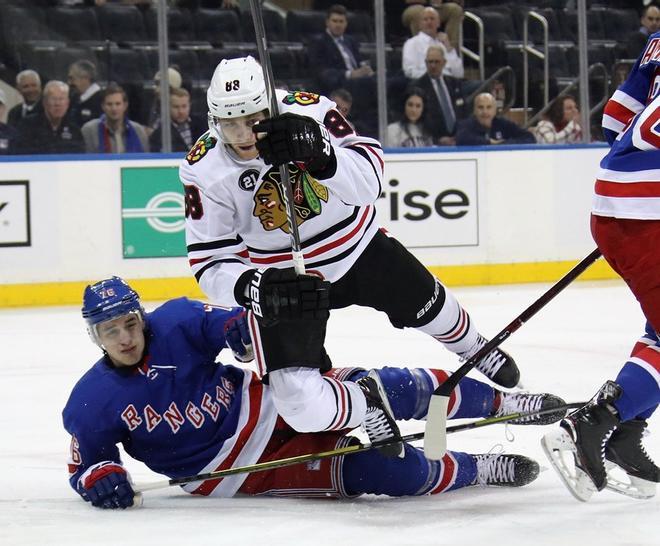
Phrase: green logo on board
(152,210)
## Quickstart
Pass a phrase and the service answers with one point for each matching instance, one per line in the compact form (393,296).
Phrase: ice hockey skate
(527,403)
(504,470)
(626,451)
(379,423)
(593,444)
(497,365)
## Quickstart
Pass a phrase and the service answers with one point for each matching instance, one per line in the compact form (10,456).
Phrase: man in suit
(650,23)
(28,84)
(445,103)
(185,130)
(86,101)
(336,55)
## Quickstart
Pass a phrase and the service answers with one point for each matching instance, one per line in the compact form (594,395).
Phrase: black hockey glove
(293,138)
(280,294)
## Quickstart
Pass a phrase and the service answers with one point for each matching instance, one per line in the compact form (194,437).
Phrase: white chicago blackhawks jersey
(236,217)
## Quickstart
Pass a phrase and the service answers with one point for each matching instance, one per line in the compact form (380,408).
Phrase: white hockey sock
(309,402)
(452,326)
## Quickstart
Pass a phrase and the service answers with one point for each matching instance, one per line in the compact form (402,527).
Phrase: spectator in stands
(185,130)
(113,132)
(28,84)
(650,23)
(7,132)
(451,17)
(175,81)
(561,124)
(344,101)
(51,131)
(484,127)
(336,55)
(411,131)
(445,102)
(336,58)
(414,50)
(86,100)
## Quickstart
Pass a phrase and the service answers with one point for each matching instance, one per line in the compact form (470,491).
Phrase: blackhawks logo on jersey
(200,148)
(301,97)
(308,194)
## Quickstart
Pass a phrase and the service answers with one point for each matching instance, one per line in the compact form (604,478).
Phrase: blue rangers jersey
(178,411)
(628,181)
(235,213)
(640,88)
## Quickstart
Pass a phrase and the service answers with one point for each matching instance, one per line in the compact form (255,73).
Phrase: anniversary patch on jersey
(201,148)
(269,205)
(247,180)
(301,97)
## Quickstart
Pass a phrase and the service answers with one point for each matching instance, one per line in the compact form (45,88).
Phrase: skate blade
(560,451)
(630,486)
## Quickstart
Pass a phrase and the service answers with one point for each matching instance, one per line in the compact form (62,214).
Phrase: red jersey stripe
(618,111)
(448,470)
(319,250)
(627,189)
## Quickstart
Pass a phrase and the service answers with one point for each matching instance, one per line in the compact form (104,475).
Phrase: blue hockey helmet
(107,300)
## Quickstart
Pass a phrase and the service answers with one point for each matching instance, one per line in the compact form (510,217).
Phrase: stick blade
(435,434)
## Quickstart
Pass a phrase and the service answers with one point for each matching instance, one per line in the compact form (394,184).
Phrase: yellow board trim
(70,293)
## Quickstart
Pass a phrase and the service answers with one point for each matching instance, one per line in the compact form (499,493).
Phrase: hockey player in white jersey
(605,436)
(238,238)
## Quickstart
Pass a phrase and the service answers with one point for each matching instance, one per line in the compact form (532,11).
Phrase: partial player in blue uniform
(159,392)
(625,223)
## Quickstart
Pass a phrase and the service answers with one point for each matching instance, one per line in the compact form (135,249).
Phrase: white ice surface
(569,348)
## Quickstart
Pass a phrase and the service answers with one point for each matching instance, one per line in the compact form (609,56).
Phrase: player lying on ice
(158,391)
(604,438)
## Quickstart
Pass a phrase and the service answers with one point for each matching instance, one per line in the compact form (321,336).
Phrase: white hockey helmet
(237,88)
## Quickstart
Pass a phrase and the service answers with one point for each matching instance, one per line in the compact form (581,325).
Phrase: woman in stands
(561,124)
(411,131)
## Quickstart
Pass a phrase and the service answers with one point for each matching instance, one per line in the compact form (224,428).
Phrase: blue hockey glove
(107,485)
(237,336)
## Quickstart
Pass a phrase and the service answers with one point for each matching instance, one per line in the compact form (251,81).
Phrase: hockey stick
(435,439)
(346,450)
(287,193)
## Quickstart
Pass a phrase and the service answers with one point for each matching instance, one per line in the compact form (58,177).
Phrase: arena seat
(274,25)
(302,26)
(180,27)
(121,23)
(217,26)
(73,24)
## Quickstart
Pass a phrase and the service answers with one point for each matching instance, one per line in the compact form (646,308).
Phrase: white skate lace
(520,403)
(376,425)
(488,365)
(495,468)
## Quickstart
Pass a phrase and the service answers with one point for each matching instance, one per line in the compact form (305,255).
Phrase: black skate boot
(379,423)
(497,365)
(589,428)
(625,450)
(505,470)
(527,403)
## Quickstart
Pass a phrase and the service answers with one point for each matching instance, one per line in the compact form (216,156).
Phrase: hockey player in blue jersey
(159,392)
(625,224)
